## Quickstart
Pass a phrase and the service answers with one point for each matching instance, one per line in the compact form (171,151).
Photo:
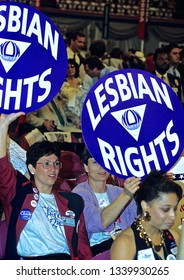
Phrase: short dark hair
(171,46)
(159,51)
(153,185)
(40,149)
(94,61)
(116,53)
(85,156)
(97,48)
(74,35)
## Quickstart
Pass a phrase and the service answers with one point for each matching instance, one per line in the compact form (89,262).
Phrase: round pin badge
(174,249)
(25,214)
(33,58)
(132,122)
(36,196)
(70,214)
(171,257)
(33,203)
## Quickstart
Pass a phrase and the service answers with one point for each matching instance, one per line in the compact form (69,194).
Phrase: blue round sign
(132,122)
(33,58)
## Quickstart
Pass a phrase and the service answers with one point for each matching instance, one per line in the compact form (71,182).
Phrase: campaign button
(132,123)
(25,214)
(35,190)
(70,214)
(33,203)
(171,257)
(33,58)
(36,196)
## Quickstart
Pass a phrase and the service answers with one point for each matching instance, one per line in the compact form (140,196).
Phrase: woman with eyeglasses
(42,223)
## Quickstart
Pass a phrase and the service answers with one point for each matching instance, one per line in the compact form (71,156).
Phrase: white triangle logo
(131,119)
(11,51)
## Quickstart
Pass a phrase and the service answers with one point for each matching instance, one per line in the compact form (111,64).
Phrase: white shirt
(44,233)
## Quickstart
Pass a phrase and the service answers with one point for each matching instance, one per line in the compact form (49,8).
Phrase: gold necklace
(143,234)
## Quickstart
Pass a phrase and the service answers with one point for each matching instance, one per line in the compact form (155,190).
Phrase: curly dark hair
(153,185)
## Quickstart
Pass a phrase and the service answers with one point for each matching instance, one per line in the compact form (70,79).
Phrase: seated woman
(151,236)
(108,209)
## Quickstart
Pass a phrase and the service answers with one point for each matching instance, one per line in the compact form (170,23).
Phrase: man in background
(176,66)
(162,64)
(95,69)
(76,44)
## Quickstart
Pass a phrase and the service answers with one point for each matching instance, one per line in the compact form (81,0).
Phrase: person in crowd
(176,66)
(108,209)
(98,48)
(182,55)
(131,51)
(95,69)
(137,61)
(115,58)
(76,44)
(71,90)
(127,57)
(42,223)
(54,116)
(173,51)
(151,236)
(161,63)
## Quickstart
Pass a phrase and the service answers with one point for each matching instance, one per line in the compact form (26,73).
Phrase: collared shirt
(71,55)
(163,77)
(174,71)
(75,56)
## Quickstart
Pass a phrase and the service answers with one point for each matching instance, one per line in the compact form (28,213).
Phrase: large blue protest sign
(33,58)
(132,122)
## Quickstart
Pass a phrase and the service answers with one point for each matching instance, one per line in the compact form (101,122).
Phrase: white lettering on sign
(139,159)
(29,83)
(18,20)
(126,90)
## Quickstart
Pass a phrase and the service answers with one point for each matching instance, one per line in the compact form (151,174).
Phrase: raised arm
(5,121)
(112,211)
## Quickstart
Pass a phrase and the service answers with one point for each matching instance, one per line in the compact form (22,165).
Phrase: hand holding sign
(132,122)
(33,59)
(8,119)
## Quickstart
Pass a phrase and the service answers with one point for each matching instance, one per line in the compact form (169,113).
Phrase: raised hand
(7,119)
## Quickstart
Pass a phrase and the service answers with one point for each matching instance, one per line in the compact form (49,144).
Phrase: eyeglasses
(48,164)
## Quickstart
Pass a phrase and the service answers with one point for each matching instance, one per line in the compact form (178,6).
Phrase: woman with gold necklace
(151,236)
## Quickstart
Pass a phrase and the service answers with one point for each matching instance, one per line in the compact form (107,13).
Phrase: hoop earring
(147,216)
